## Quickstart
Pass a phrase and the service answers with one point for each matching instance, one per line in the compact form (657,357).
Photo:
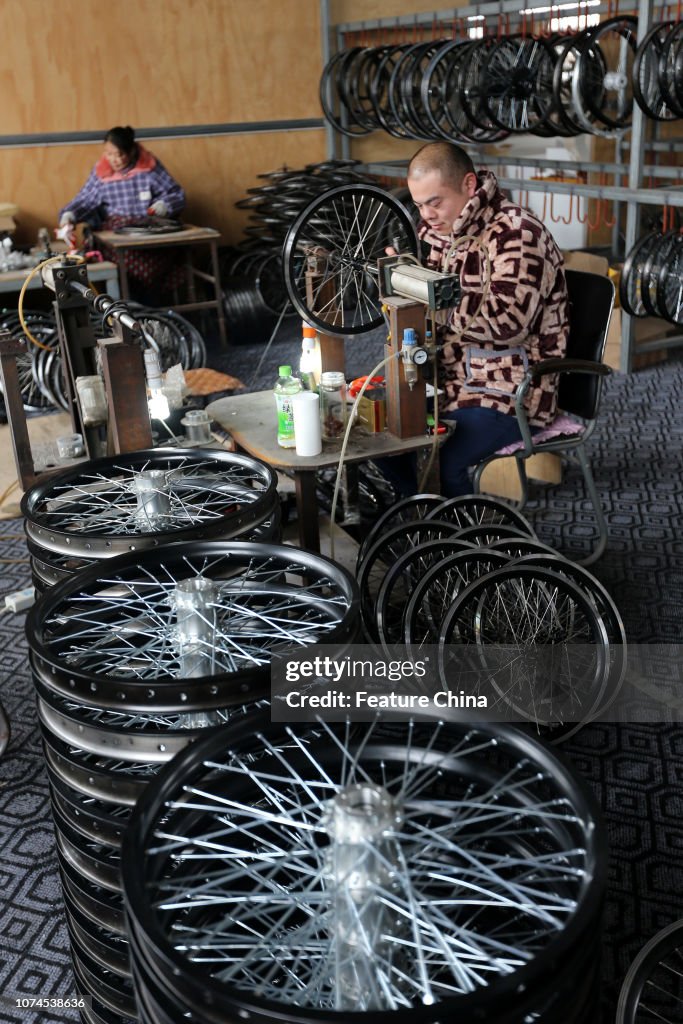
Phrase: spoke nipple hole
(93,687)
(183,696)
(162,747)
(72,683)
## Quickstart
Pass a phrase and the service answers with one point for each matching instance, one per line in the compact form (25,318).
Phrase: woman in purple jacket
(127,185)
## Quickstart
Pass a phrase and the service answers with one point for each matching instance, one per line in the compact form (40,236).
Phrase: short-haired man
(523,318)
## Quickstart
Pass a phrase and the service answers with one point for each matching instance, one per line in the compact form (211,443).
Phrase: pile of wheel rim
(131,659)
(252,276)
(313,874)
(651,282)
(482,90)
(39,367)
(142,500)
(468,576)
(176,339)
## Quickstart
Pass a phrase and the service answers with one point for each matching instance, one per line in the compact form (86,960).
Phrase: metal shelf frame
(633,195)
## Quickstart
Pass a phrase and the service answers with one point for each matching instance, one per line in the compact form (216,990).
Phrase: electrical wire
(29,278)
(6,493)
(347,433)
(269,342)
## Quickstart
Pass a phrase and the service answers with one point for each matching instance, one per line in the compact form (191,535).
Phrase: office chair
(591,299)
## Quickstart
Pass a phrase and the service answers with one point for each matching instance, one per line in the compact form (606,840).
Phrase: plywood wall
(157,63)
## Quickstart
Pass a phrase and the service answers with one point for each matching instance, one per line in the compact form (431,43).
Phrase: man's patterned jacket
(524,318)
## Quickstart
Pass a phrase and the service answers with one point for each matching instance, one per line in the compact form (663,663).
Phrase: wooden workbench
(251,420)
(13,280)
(188,238)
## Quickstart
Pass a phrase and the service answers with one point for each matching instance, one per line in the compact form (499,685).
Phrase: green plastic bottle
(285,388)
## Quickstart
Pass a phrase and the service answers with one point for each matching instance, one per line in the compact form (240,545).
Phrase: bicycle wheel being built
(339,237)
(411,872)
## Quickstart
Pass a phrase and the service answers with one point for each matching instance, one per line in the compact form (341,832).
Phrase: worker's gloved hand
(66,218)
(158,209)
(67,233)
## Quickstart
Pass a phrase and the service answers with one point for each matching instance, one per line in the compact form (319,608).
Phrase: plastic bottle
(310,366)
(285,388)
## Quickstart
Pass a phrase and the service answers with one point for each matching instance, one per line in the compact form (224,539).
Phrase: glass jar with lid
(332,404)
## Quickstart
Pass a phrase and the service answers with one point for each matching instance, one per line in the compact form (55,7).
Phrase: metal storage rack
(633,195)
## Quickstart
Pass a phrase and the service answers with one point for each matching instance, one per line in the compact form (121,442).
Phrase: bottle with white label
(284,390)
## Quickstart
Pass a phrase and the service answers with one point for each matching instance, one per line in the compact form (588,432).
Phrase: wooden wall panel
(367,10)
(87,66)
(157,63)
(214,171)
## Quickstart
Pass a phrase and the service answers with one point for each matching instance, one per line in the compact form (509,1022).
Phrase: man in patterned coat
(486,347)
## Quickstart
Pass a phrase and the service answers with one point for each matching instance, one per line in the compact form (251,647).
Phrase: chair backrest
(591,299)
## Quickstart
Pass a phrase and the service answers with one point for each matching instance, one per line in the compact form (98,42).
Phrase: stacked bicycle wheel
(651,281)
(254,291)
(39,367)
(403,871)
(468,577)
(131,660)
(482,90)
(142,500)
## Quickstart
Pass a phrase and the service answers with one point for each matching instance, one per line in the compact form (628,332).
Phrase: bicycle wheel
(653,986)
(606,609)
(148,498)
(383,554)
(330,95)
(213,613)
(397,870)
(656,258)
(541,644)
(631,281)
(646,84)
(343,233)
(434,594)
(400,581)
(417,506)
(479,509)
(670,284)
(517,83)
(609,96)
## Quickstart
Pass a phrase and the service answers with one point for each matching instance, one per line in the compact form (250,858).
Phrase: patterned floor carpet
(636,772)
